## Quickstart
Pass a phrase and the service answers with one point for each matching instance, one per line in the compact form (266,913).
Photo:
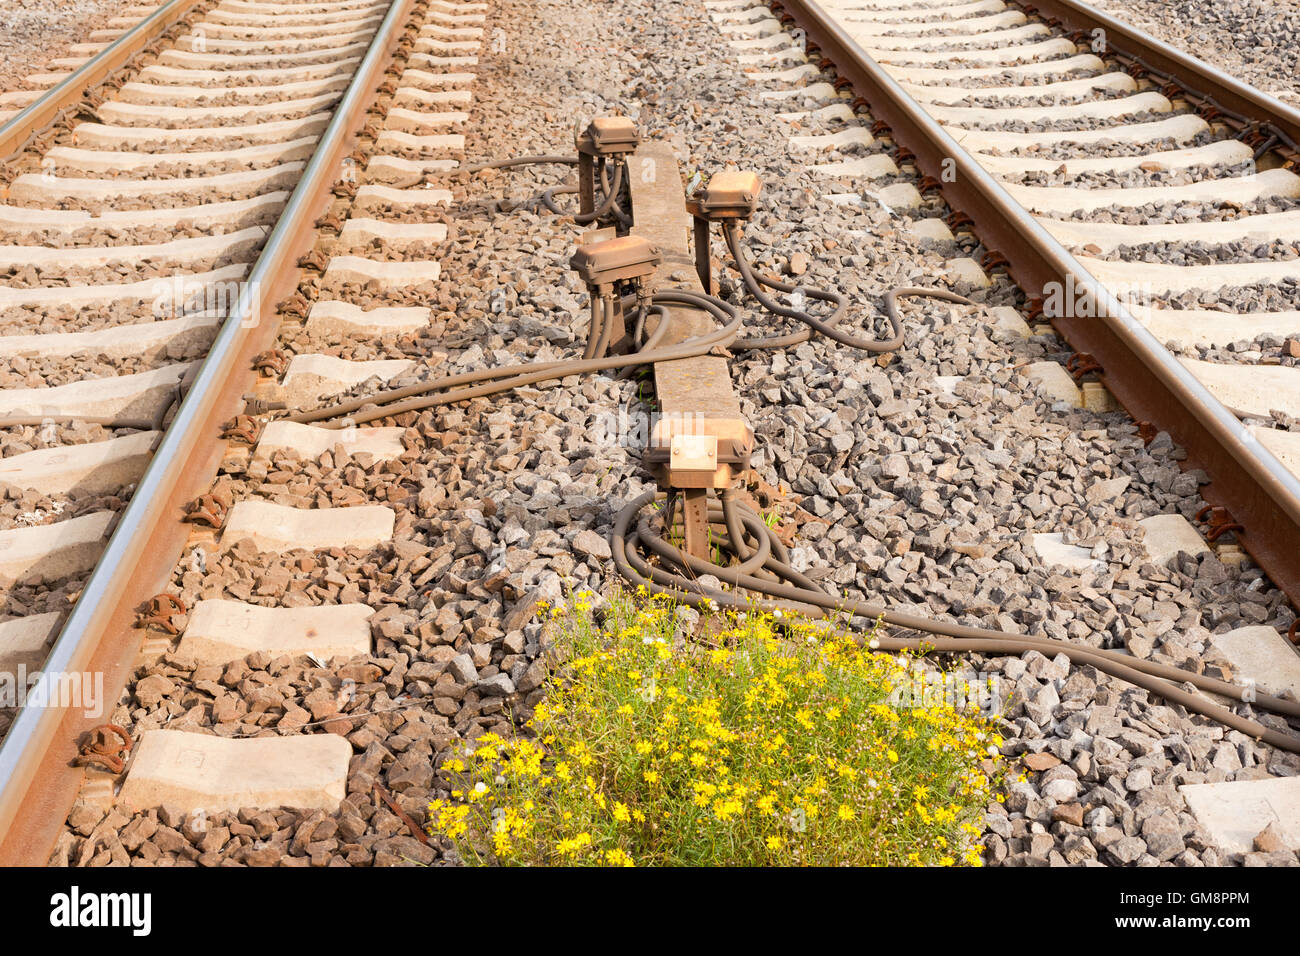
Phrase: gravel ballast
(33,32)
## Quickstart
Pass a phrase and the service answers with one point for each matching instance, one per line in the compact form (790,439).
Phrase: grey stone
(1138,780)
(462,668)
(498,685)
(592,545)
(1127,849)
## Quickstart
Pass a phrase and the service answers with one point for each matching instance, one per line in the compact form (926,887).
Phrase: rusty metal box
(609,136)
(730,194)
(613,260)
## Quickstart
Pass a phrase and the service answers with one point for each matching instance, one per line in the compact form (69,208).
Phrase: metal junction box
(609,136)
(730,194)
(614,260)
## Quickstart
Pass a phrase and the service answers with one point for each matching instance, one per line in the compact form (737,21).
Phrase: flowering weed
(777,746)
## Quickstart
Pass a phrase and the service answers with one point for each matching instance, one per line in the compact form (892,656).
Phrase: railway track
(1156,226)
(352,589)
(127,242)
(1140,199)
(131,242)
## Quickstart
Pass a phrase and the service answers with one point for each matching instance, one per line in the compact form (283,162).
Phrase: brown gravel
(33,32)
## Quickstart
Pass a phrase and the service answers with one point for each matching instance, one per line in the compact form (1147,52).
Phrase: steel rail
(19,130)
(1245,478)
(37,783)
(1226,92)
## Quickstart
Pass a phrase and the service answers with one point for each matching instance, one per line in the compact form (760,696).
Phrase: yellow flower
(726,809)
(571,846)
(786,717)
(501,842)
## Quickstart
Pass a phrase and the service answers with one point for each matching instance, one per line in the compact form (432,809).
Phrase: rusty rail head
(19,129)
(37,782)
(1146,379)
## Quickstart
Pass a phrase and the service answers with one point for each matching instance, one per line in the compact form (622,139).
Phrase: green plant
(780,746)
(645,395)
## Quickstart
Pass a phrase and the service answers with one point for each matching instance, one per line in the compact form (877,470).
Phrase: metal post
(703,264)
(586,184)
(695,518)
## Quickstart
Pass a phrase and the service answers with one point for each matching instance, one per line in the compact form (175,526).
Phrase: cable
(606,328)
(595,327)
(611,193)
(743,534)
(607,207)
(538,160)
(413,397)
(827,327)
(619,214)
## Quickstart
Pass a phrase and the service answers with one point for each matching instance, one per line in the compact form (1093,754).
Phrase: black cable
(828,326)
(539,160)
(600,211)
(418,397)
(548,197)
(677,574)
